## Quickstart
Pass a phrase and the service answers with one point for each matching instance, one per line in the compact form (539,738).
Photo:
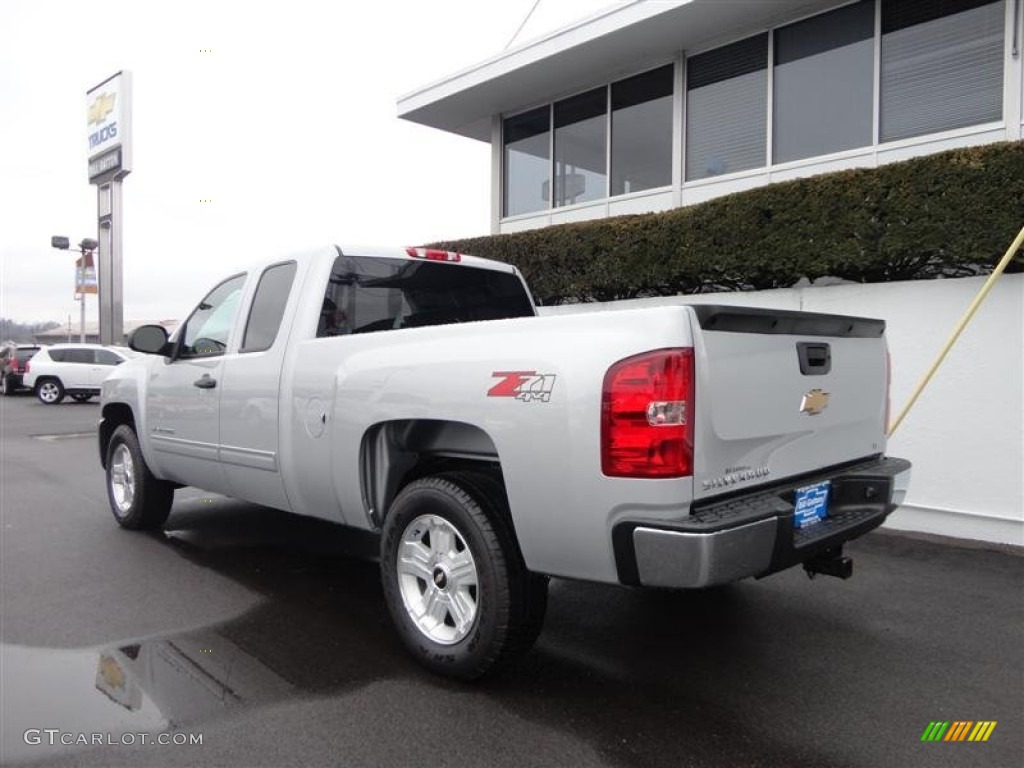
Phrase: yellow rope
(1004,262)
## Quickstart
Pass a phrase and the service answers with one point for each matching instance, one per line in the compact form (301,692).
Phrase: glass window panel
(106,357)
(900,14)
(268,307)
(940,72)
(82,356)
(642,132)
(527,161)
(727,109)
(581,148)
(824,83)
(209,326)
(375,294)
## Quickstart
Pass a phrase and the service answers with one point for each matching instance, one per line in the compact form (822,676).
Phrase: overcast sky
(289,126)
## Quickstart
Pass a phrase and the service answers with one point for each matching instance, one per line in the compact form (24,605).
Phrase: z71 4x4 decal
(523,385)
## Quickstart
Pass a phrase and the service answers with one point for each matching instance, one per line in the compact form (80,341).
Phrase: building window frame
(823,72)
(667,72)
(557,192)
(504,160)
(680,115)
(919,122)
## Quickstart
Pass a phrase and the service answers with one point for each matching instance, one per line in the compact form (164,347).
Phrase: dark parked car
(13,363)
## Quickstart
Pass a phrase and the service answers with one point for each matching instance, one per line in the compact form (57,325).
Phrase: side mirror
(150,339)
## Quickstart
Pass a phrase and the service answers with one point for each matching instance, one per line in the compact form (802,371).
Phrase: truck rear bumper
(753,534)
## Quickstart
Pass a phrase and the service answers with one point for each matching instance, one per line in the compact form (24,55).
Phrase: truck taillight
(647,409)
(432,254)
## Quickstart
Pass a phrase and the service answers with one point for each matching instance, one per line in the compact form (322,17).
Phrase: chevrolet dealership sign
(108,120)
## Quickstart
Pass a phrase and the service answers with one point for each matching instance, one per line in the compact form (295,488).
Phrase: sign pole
(104,265)
(110,267)
(110,160)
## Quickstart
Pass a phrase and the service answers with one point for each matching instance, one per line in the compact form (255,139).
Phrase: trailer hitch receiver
(831,562)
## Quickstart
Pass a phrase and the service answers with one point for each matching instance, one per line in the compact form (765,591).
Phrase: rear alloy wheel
(138,500)
(458,591)
(50,391)
(438,579)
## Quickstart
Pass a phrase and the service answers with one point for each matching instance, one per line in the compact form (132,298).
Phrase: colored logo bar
(959,730)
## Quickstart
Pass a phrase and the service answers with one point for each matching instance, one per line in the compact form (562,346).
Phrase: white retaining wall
(965,435)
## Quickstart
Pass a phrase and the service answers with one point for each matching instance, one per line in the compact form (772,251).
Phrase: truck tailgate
(780,394)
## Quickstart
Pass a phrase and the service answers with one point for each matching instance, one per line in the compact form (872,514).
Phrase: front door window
(208,328)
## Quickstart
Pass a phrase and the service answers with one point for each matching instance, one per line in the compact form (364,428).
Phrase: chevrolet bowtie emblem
(814,402)
(102,107)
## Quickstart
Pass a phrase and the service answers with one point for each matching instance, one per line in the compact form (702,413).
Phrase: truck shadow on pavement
(776,672)
(627,671)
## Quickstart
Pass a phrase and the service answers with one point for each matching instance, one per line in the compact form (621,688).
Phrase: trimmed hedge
(951,214)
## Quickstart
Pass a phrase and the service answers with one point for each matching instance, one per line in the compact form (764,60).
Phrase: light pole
(87,247)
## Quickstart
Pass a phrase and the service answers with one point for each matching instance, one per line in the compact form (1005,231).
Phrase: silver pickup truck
(416,393)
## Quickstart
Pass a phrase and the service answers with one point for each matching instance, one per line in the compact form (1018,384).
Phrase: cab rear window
(374,294)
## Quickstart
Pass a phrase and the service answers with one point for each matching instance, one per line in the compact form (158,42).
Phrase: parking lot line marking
(64,436)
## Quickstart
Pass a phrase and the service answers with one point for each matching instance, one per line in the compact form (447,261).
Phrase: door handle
(205,382)
(815,359)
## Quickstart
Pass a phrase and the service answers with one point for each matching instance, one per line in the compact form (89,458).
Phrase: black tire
(148,503)
(536,588)
(509,600)
(81,398)
(50,391)
(4,388)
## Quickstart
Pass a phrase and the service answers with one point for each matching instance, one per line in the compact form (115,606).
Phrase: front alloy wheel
(122,480)
(138,499)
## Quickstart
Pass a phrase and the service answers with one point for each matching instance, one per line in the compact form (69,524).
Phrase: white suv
(72,369)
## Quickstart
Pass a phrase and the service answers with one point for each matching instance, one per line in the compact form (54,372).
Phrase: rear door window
(268,307)
(106,357)
(80,356)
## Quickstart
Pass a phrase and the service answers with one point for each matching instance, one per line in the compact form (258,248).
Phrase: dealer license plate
(811,504)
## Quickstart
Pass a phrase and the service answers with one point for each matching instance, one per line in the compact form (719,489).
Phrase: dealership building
(651,105)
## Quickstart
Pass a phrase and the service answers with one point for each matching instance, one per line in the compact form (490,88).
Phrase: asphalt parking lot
(267,635)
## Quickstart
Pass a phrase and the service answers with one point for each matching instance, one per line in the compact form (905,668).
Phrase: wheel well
(395,453)
(113,416)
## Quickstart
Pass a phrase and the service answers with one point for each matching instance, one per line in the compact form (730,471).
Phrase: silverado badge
(814,402)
